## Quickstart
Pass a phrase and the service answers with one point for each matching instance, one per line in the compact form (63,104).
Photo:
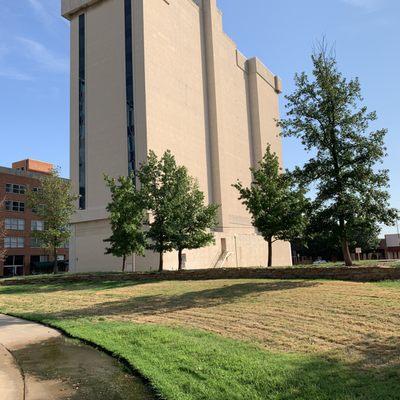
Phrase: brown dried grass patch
(354,321)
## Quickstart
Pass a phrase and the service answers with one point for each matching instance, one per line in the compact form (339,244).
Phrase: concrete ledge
(255,66)
(355,274)
(70,7)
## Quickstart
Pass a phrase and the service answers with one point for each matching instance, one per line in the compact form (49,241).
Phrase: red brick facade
(30,254)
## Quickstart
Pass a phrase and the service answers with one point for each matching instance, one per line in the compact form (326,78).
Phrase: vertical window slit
(129,86)
(82,114)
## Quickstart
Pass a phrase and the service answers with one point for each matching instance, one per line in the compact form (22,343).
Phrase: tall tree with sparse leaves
(54,204)
(276,205)
(326,114)
(127,215)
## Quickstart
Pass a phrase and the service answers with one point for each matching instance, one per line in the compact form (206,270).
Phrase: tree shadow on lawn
(36,288)
(379,351)
(161,304)
(329,379)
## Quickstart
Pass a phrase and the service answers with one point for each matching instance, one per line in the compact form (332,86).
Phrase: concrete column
(209,25)
(139,58)
(264,89)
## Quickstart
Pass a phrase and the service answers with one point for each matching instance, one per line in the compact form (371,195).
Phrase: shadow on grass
(36,288)
(377,351)
(160,304)
(328,379)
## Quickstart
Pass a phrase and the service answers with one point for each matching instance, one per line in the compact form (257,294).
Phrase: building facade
(391,246)
(22,250)
(157,75)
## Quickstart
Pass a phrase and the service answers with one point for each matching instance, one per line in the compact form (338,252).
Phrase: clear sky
(34,62)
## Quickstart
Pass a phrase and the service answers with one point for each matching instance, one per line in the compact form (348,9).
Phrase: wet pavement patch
(63,368)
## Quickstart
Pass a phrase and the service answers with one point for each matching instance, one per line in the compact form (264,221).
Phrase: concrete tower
(157,75)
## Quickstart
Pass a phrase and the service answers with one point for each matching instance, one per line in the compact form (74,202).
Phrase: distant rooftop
(29,165)
(28,168)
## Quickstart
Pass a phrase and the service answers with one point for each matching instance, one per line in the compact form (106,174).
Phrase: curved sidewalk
(12,384)
(16,334)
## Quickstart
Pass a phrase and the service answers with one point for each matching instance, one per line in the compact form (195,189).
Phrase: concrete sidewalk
(12,386)
(38,363)
(16,334)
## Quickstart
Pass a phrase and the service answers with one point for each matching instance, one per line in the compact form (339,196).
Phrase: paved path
(38,363)
(12,384)
(16,334)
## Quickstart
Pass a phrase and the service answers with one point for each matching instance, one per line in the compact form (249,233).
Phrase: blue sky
(34,60)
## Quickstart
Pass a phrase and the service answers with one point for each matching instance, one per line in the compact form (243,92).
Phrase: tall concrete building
(157,75)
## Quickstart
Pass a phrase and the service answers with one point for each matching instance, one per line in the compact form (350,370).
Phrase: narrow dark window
(82,114)
(129,86)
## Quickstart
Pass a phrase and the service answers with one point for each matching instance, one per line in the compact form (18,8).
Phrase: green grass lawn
(187,338)
(389,284)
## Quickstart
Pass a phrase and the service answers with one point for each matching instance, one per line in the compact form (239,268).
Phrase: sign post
(359,252)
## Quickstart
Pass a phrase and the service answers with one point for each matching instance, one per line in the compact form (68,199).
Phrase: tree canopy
(127,215)
(276,205)
(327,115)
(54,204)
(193,220)
(179,219)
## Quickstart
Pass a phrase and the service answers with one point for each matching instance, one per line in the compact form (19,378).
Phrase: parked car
(320,262)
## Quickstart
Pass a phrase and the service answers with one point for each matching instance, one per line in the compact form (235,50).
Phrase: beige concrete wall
(70,7)
(175,95)
(242,250)
(89,248)
(106,136)
(234,135)
(264,89)
(196,95)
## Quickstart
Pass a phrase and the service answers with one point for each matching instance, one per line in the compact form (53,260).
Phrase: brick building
(22,250)
(391,246)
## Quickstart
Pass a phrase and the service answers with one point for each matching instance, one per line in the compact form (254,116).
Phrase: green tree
(158,187)
(54,204)
(277,206)
(320,241)
(179,218)
(326,115)
(127,214)
(193,221)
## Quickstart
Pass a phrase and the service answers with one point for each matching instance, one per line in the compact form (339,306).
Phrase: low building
(22,249)
(391,246)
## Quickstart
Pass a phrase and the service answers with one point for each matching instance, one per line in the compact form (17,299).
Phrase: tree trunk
(161,265)
(180,260)
(55,264)
(346,253)
(269,252)
(123,263)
